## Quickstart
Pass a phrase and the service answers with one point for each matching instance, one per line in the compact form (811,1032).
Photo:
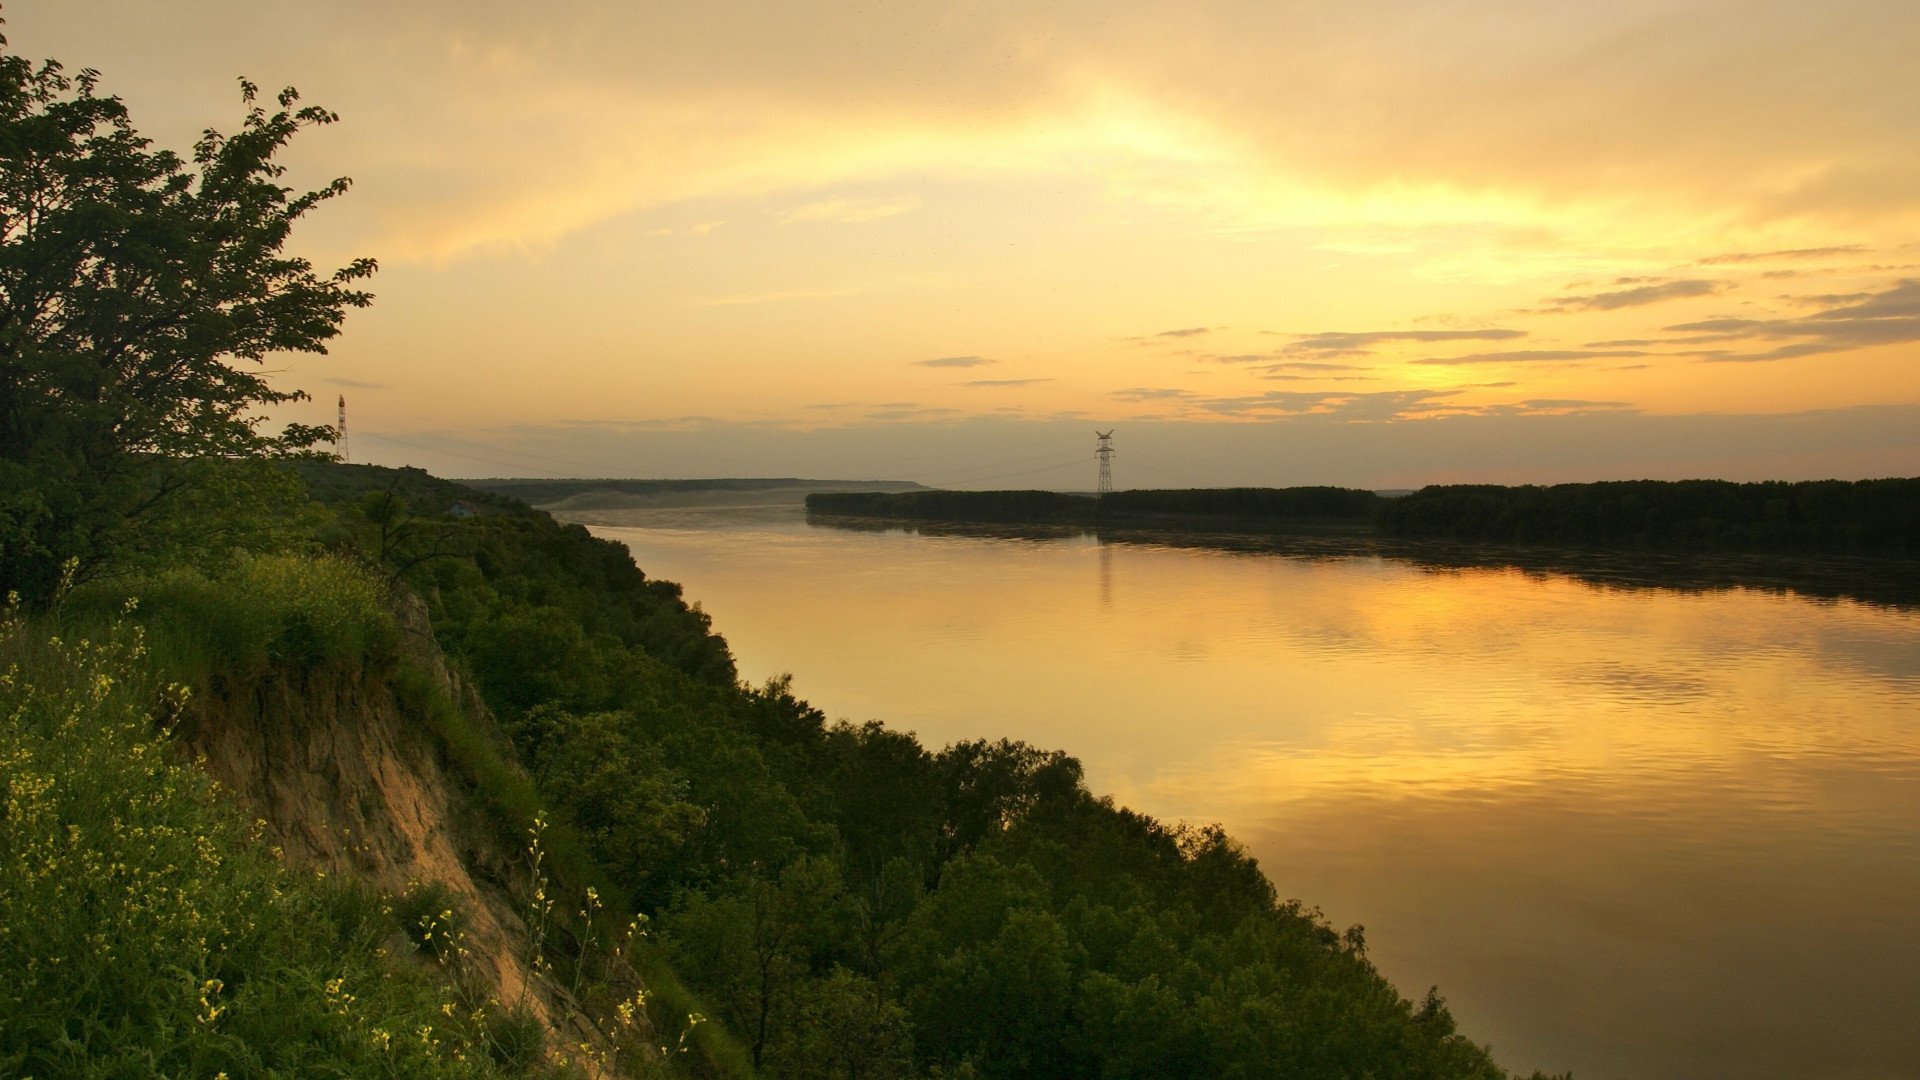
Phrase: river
(1632,832)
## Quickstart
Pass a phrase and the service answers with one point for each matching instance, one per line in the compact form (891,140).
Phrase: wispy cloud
(1270,362)
(355,384)
(955,362)
(1566,405)
(1361,343)
(1827,300)
(1637,296)
(1337,405)
(1889,317)
(1151,393)
(1006,382)
(1793,253)
(908,412)
(1531,356)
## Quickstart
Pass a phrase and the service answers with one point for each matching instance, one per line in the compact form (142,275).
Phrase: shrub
(431,916)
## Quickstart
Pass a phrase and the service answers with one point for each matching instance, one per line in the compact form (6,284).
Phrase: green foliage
(143,932)
(598,771)
(135,287)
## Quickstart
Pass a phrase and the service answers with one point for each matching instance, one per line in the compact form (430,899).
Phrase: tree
(139,293)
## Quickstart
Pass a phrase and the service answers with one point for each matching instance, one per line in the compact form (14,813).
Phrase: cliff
(345,770)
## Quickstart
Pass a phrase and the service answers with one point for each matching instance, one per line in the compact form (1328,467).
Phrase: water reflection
(1629,831)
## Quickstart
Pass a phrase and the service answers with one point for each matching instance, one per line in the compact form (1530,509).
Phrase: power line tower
(1105,454)
(343,428)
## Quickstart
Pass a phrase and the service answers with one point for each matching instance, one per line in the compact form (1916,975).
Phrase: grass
(263,611)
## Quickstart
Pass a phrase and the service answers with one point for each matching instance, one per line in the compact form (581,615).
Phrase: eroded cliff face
(349,781)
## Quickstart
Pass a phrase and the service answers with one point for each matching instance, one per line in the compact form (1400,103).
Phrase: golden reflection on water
(1629,832)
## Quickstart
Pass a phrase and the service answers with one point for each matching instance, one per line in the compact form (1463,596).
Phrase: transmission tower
(1105,454)
(343,428)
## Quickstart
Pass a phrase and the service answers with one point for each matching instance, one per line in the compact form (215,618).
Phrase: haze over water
(1630,832)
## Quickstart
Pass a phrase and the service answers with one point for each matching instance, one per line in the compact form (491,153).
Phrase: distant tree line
(1213,505)
(1255,504)
(997,507)
(1867,517)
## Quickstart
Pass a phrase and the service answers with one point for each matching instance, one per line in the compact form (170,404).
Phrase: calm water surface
(1633,833)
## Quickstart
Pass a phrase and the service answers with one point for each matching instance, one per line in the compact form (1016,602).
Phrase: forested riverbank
(1867,517)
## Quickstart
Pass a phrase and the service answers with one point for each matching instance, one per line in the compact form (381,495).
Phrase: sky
(1376,243)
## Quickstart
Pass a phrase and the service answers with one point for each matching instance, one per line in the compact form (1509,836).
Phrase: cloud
(1349,343)
(1143,393)
(956,362)
(1622,343)
(1006,382)
(1636,297)
(1889,317)
(907,412)
(852,211)
(624,106)
(1530,356)
(356,384)
(1191,331)
(1902,301)
(1795,253)
(1268,363)
(1574,405)
(1828,299)
(1335,405)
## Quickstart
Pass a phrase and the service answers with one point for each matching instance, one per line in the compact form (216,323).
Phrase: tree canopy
(139,292)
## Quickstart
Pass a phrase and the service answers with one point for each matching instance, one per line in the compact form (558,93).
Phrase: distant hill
(634,494)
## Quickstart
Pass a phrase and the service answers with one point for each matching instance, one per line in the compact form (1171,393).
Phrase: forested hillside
(849,902)
(795,898)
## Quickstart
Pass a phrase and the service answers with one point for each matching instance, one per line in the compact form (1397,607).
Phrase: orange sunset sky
(1365,242)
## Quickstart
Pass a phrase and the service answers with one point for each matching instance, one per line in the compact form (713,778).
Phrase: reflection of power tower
(343,428)
(1105,454)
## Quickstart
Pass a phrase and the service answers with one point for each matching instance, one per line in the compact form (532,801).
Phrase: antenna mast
(342,443)
(1105,454)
